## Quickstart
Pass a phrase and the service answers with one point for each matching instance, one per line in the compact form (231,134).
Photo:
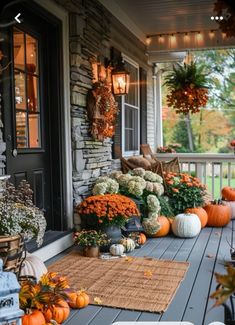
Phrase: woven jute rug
(134,283)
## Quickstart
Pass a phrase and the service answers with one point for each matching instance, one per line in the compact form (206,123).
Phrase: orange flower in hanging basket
(187,86)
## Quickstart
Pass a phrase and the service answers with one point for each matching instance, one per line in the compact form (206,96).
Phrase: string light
(161,39)
(148,40)
(173,37)
(212,34)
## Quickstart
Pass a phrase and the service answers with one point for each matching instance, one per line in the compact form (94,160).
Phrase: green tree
(180,135)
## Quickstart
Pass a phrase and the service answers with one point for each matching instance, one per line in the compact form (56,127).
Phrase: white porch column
(157,99)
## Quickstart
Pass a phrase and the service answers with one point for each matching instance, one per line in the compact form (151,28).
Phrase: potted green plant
(184,191)
(91,241)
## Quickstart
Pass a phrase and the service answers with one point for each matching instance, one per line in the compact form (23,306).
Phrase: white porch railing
(214,170)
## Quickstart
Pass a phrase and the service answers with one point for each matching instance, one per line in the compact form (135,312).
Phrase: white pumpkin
(230,204)
(128,244)
(186,225)
(117,249)
(34,266)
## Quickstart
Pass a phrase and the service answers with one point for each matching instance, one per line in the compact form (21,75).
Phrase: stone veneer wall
(92,32)
(89,37)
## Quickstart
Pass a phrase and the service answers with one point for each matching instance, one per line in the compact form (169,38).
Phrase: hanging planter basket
(187,87)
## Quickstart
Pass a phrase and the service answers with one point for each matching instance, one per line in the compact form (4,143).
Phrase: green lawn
(217,194)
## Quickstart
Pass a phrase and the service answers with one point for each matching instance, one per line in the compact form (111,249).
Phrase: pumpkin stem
(28,311)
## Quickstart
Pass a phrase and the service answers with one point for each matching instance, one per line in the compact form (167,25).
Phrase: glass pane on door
(21,130)
(19,49)
(31,54)
(27,91)
(32,95)
(20,91)
(34,131)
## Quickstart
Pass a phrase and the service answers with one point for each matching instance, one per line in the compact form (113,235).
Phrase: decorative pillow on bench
(140,162)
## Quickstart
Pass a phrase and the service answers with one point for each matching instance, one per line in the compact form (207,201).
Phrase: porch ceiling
(169,16)
(154,17)
(166,16)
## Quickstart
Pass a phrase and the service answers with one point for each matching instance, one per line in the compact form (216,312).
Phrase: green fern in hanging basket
(188,88)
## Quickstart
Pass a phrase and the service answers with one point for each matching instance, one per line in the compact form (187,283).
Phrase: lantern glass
(120,82)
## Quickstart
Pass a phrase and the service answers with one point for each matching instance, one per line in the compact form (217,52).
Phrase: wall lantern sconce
(120,79)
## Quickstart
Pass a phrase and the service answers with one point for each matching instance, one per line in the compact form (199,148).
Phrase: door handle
(14,152)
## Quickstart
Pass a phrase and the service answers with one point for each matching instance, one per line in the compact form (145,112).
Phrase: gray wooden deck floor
(206,254)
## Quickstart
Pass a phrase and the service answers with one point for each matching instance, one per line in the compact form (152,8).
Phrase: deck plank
(201,286)
(176,309)
(128,316)
(83,316)
(206,254)
(105,316)
(213,314)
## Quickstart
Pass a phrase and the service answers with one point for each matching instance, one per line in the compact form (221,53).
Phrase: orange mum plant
(109,209)
(184,191)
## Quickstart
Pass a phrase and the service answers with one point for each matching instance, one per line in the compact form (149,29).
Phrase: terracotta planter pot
(93,251)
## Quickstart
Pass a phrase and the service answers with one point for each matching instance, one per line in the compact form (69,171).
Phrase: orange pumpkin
(165,227)
(78,299)
(35,317)
(219,215)
(228,193)
(141,239)
(59,312)
(201,213)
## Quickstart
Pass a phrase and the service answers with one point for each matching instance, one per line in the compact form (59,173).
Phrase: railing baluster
(213,180)
(229,174)
(221,175)
(205,173)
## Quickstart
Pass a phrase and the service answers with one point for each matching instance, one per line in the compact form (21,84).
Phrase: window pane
(21,130)
(34,131)
(132,97)
(19,50)
(20,97)
(131,128)
(31,54)
(32,92)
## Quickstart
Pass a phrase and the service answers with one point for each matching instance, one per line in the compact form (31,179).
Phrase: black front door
(32,108)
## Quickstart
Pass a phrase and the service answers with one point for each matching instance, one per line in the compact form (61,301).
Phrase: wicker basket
(11,252)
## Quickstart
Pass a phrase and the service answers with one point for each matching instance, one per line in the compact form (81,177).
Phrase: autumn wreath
(102,111)
(188,88)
